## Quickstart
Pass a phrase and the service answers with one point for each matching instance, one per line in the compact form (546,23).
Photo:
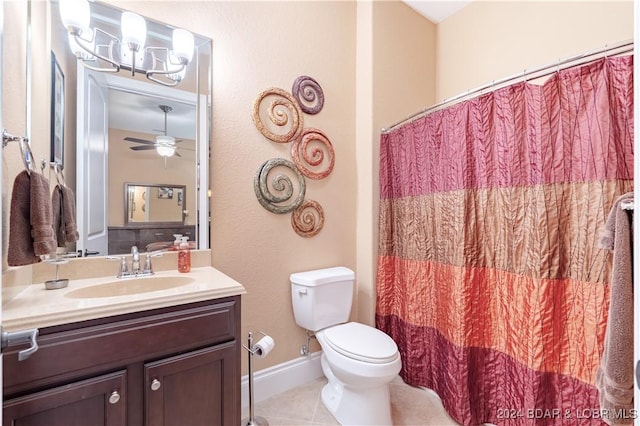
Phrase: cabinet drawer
(74,352)
(157,234)
(122,234)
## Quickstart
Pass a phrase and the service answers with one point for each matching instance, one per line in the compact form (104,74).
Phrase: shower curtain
(489,275)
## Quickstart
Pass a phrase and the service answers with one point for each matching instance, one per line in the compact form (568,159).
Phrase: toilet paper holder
(258,350)
(262,347)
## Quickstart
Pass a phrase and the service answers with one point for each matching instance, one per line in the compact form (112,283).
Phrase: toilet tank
(322,297)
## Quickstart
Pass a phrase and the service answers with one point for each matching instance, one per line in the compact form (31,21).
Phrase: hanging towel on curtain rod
(617,49)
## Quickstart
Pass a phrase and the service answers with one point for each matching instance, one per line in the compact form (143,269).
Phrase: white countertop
(37,307)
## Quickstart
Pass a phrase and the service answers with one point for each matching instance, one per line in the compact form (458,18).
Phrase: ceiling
(139,113)
(437,10)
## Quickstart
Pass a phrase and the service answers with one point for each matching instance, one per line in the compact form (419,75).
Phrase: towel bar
(27,156)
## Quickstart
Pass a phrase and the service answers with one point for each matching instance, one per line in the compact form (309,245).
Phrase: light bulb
(134,30)
(75,14)
(183,44)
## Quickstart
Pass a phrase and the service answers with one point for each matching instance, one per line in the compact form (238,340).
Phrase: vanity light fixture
(99,50)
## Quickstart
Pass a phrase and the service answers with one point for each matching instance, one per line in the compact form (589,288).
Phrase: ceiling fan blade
(142,147)
(130,139)
(177,154)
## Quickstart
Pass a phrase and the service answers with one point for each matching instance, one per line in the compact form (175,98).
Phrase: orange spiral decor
(307,147)
(282,110)
(308,219)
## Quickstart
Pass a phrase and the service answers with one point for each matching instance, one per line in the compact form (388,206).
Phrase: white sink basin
(129,286)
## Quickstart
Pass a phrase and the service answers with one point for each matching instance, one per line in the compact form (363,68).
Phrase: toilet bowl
(359,361)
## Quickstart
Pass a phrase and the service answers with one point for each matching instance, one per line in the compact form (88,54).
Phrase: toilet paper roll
(263,347)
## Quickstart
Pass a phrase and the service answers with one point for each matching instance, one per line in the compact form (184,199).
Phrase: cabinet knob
(155,384)
(114,397)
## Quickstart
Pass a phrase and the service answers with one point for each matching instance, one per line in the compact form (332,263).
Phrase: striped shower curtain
(489,274)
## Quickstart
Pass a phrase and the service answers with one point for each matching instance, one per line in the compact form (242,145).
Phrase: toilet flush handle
(302,291)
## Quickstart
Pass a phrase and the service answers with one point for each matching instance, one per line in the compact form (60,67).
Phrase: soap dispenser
(176,242)
(184,255)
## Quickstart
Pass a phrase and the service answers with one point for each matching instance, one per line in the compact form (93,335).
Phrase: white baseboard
(280,378)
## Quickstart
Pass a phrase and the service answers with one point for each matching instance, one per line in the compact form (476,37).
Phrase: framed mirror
(116,131)
(151,204)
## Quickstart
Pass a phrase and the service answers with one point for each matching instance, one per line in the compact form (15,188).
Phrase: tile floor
(302,406)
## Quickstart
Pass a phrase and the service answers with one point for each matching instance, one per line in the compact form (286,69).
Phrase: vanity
(116,352)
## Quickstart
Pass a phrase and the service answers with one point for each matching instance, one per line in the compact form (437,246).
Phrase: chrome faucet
(124,271)
(135,260)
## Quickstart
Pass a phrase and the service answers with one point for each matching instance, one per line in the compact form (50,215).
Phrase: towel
(64,215)
(614,378)
(41,215)
(30,219)
(20,250)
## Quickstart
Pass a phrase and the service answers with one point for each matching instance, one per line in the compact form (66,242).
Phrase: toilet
(358,361)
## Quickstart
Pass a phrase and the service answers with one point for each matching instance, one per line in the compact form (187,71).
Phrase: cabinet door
(96,401)
(195,388)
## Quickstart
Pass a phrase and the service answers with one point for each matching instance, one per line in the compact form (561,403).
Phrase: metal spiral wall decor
(309,94)
(312,154)
(281,183)
(308,219)
(304,153)
(283,108)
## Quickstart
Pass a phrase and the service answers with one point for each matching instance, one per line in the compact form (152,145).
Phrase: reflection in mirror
(130,129)
(154,203)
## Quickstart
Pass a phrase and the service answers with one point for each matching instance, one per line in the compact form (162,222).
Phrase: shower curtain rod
(623,47)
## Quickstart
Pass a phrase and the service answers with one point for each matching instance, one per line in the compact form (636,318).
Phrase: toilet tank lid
(322,276)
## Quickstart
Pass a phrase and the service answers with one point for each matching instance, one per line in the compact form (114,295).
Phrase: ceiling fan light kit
(164,144)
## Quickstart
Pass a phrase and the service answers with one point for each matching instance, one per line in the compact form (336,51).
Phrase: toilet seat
(361,342)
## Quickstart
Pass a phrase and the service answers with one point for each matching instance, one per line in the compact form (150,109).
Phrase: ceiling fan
(164,144)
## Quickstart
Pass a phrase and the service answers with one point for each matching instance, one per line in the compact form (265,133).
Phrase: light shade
(165,145)
(134,30)
(75,14)
(183,44)
(166,151)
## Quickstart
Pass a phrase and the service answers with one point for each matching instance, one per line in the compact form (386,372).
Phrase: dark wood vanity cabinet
(171,366)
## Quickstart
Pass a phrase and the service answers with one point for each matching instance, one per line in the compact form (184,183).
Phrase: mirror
(114,126)
(154,203)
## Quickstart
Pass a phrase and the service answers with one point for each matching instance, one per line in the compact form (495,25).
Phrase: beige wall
(377,63)
(490,40)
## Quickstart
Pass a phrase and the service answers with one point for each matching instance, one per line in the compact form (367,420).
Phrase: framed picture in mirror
(57,113)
